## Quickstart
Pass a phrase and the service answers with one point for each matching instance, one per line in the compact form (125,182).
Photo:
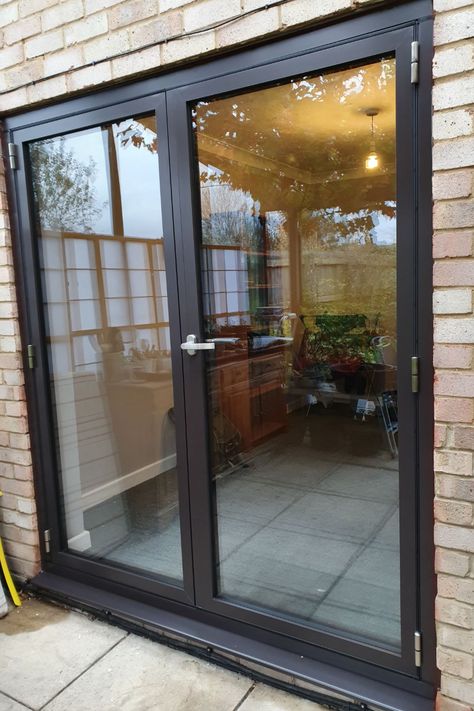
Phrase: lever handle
(191,346)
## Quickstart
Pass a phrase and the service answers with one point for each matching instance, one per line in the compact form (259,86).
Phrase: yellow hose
(6,574)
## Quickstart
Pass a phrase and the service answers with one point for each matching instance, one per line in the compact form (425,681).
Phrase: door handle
(191,346)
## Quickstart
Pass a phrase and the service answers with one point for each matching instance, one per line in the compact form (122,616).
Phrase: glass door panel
(299,287)
(105,300)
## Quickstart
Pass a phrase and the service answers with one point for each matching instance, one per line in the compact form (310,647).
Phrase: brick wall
(453,161)
(52,48)
(17,506)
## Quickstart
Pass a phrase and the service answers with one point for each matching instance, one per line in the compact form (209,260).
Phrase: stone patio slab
(264,698)
(140,675)
(44,648)
(7,704)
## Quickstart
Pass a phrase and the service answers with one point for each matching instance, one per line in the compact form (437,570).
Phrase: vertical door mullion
(175,311)
(187,231)
(406,337)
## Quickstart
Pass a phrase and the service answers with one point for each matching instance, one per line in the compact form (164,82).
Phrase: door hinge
(418,649)
(415,56)
(31,355)
(13,155)
(47,540)
(415,372)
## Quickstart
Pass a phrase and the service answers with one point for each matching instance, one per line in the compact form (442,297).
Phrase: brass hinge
(31,355)
(418,649)
(415,372)
(415,56)
(47,540)
(13,155)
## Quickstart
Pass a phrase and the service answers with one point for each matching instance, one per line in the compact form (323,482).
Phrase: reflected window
(100,235)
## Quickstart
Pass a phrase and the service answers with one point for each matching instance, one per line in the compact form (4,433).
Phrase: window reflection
(98,210)
(299,270)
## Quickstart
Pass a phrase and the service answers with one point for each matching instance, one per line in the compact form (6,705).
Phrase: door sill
(305,677)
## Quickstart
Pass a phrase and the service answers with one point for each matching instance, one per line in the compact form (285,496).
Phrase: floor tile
(264,698)
(346,518)
(284,570)
(372,483)
(139,675)
(45,647)
(7,704)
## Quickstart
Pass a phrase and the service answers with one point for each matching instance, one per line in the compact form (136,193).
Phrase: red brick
(454,409)
(452,244)
(454,272)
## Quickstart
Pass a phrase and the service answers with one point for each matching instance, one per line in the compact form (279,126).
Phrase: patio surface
(59,660)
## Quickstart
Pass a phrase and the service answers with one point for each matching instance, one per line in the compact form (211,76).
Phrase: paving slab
(140,675)
(264,698)
(44,648)
(7,704)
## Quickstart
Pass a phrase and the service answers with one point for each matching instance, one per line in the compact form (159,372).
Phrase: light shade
(372,161)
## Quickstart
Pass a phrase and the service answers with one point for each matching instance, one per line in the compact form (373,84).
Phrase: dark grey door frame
(356,39)
(38,381)
(185,194)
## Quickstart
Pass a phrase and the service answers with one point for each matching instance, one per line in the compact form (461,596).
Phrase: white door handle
(191,346)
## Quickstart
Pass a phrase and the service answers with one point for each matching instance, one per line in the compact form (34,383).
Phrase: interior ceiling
(313,130)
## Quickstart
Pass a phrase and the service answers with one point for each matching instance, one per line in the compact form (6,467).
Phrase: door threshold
(336,688)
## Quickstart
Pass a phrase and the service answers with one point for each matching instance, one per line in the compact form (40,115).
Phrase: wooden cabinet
(248,391)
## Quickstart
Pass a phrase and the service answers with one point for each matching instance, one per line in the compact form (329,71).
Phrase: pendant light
(372,161)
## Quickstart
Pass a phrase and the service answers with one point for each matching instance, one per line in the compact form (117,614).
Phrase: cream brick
(23,73)
(453,60)
(454,153)
(457,512)
(457,688)
(18,31)
(243,30)
(455,92)
(454,383)
(45,43)
(452,301)
(193,46)
(139,61)
(9,56)
(453,662)
(454,26)
(61,14)
(30,7)
(295,12)
(27,506)
(451,124)
(156,31)
(91,6)
(108,46)
(86,28)
(209,12)
(453,462)
(455,537)
(452,356)
(456,639)
(8,15)
(444,5)
(447,561)
(47,89)
(447,215)
(455,613)
(449,330)
(128,13)
(173,4)
(452,184)
(63,61)
(89,76)
(454,487)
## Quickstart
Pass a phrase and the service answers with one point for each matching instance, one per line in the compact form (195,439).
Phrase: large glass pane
(298,205)
(98,214)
